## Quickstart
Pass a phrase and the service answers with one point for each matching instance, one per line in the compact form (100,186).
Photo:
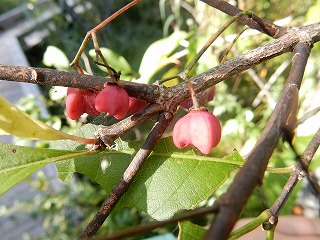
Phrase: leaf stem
(263,217)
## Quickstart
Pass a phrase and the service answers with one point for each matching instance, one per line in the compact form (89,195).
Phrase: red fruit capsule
(181,136)
(205,130)
(198,128)
(135,105)
(113,100)
(89,98)
(80,101)
(75,105)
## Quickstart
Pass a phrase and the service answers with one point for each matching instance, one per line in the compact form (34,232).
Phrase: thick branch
(169,97)
(127,178)
(253,22)
(52,77)
(309,34)
(251,174)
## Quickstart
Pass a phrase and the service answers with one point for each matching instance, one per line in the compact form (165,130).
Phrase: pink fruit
(75,105)
(181,135)
(89,98)
(113,100)
(203,97)
(80,101)
(135,105)
(198,128)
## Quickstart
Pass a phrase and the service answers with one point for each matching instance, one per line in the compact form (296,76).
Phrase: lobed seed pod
(80,101)
(113,100)
(135,105)
(75,105)
(198,128)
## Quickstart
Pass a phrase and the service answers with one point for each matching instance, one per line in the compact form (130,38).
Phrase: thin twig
(251,174)
(128,176)
(254,22)
(151,93)
(212,39)
(299,172)
(270,82)
(232,44)
(308,115)
(261,85)
(153,225)
(92,32)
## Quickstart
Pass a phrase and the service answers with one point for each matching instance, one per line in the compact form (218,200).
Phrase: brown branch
(128,176)
(50,77)
(170,97)
(309,34)
(108,134)
(153,225)
(251,174)
(300,171)
(254,22)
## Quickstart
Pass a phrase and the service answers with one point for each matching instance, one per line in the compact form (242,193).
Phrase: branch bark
(171,97)
(251,174)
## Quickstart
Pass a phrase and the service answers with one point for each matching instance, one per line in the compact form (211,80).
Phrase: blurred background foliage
(166,35)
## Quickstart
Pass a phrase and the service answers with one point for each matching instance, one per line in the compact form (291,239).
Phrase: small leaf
(18,162)
(190,231)
(16,122)
(116,61)
(53,56)
(169,181)
(155,56)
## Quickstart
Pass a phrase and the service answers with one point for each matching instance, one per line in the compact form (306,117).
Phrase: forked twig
(93,34)
(212,39)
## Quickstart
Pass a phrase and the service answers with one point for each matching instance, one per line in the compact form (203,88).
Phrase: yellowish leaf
(15,122)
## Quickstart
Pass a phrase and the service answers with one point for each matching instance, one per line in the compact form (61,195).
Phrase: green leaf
(190,231)
(53,56)
(170,180)
(312,15)
(16,122)
(116,61)
(156,55)
(18,162)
